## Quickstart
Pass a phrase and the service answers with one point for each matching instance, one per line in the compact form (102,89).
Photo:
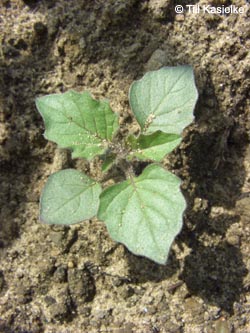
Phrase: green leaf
(108,162)
(154,146)
(164,99)
(144,213)
(76,121)
(69,197)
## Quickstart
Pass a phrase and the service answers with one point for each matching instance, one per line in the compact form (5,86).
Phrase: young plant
(142,212)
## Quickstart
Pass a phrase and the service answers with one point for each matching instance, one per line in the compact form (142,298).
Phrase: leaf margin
(102,212)
(44,207)
(82,149)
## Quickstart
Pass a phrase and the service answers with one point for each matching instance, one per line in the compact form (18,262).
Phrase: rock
(60,274)
(194,310)
(156,61)
(81,286)
(57,237)
(180,18)
(57,306)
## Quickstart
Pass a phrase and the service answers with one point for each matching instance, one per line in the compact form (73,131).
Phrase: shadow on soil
(20,77)
(215,273)
(142,270)
(215,164)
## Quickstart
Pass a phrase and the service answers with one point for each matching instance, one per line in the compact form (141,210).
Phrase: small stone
(60,274)
(179,17)
(82,43)
(57,304)
(49,300)
(233,240)
(19,274)
(71,264)
(57,237)
(151,309)
(194,307)
(100,314)
(81,286)
(156,61)
(127,292)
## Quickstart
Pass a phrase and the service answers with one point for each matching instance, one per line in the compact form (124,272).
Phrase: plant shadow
(214,270)
(142,269)
(215,273)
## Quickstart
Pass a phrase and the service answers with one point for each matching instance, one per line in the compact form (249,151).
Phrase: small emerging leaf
(154,146)
(164,99)
(108,162)
(69,197)
(145,213)
(77,121)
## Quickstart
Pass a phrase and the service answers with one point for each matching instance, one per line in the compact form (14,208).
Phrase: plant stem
(126,168)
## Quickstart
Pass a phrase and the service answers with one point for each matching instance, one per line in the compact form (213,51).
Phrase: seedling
(142,212)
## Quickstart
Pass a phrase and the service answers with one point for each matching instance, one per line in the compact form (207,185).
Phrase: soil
(76,279)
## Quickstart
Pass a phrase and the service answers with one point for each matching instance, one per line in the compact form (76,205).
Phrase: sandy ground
(76,279)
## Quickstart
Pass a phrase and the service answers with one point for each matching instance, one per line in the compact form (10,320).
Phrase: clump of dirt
(61,279)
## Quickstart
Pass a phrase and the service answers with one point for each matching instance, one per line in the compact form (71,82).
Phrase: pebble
(57,237)
(233,240)
(60,274)
(71,264)
(157,60)
(179,17)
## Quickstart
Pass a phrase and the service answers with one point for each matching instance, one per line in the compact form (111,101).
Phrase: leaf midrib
(72,198)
